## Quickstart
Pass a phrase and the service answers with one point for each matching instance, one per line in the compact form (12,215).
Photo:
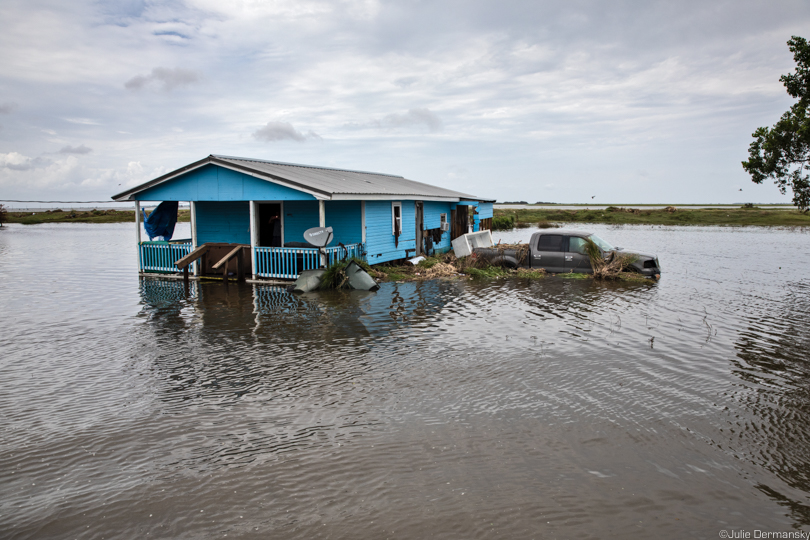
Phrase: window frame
(394,206)
(563,243)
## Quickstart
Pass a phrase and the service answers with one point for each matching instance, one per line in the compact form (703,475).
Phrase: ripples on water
(438,409)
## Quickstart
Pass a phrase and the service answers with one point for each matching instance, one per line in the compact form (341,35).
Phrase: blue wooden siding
(223,222)
(343,216)
(485,210)
(298,217)
(379,234)
(214,183)
(432,220)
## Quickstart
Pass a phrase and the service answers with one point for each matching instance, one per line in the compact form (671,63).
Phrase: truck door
(549,253)
(576,258)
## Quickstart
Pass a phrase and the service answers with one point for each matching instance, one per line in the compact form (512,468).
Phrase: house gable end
(215,183)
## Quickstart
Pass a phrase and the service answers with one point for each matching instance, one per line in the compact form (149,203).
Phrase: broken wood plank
(193,256)
(228,257)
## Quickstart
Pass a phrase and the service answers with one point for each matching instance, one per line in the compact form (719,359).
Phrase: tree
(782,153)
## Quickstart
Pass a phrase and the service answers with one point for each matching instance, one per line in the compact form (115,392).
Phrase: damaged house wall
(380,246)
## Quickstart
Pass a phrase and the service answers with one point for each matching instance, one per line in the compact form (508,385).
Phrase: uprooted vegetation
(614,266)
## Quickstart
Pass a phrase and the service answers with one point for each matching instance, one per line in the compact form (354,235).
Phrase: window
(577,245)
(550,242)
(442,219)
(604,246)
(396,218)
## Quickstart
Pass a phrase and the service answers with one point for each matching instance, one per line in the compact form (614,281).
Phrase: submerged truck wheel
(506,262)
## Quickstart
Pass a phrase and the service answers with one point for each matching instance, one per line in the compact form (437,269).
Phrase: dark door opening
(270,225)
(461,221)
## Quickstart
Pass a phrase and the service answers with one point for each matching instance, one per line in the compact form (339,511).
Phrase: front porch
(268,233)
(219,260)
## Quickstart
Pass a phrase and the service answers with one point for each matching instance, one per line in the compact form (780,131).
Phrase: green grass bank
(739,216)
(73,216)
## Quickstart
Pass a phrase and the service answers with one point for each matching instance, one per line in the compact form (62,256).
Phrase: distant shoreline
(75,216)
(563,206)
(522,216)
(505,218)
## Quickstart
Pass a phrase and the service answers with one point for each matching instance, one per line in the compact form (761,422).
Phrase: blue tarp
(161,221)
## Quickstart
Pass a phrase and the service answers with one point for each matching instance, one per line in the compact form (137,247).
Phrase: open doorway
(270,233)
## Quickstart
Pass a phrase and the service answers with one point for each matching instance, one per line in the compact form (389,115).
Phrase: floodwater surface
(554,408)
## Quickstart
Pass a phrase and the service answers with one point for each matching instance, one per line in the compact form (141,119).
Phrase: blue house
(266,206)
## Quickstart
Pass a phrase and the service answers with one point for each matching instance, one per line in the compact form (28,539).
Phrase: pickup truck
(562,250)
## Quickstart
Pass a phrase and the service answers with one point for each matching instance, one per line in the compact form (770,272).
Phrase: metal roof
(322,182)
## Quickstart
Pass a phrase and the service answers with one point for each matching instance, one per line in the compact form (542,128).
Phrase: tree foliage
(782,153)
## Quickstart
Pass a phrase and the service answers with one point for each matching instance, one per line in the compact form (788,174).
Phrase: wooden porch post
(363,221)
(192,210)
(138,232)
(253,237)
(322,223)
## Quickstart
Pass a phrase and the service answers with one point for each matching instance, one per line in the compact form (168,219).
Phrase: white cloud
(281,131)
(18,162)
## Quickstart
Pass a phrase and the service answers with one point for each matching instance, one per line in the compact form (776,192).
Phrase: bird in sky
(740,189)
(595,196)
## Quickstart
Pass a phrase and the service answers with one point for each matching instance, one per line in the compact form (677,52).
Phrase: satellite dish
(318,236)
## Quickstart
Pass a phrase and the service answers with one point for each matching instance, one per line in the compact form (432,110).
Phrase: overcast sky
(612,102)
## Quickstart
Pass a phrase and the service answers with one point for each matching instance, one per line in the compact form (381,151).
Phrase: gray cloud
(281,131)
(170,78)
(18,162)
(81,149)
(414,117)
(6,108)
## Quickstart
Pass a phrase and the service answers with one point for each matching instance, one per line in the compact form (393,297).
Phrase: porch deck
(270,262)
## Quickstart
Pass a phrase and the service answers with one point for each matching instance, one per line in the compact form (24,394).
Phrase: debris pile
(610,267)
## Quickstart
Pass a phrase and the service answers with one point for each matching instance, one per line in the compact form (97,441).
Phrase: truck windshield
(604,246)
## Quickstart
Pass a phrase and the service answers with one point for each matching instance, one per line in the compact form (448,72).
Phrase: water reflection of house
(264,313)
(266,206)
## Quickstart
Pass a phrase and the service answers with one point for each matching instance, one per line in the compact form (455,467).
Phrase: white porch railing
(159,257)
(288,263)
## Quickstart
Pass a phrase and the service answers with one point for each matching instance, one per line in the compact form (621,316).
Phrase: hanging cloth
(161,221)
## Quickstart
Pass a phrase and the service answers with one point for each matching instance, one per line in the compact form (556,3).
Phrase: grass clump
(488,272)
(530,273)
(503,223)
(335,276)
(574,275)
(429,262)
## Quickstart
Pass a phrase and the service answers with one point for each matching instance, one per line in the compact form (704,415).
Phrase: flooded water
(445,409)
